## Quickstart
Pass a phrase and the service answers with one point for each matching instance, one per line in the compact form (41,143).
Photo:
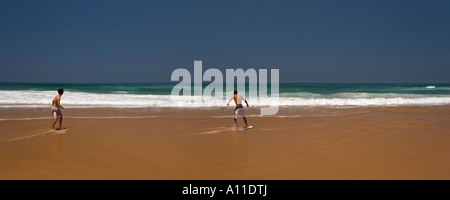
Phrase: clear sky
(144,41)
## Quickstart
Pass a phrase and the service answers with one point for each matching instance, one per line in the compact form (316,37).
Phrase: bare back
(238,99)
(55,102)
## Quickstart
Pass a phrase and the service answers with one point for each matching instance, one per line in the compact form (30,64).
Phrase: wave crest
(89,100)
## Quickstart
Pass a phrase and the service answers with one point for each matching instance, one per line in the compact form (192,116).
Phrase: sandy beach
(165,143)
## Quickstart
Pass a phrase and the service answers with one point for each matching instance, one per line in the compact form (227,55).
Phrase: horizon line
(174,82)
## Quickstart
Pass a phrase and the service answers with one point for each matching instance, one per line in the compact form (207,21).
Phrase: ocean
(159,95)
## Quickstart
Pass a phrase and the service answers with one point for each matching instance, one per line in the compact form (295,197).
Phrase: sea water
(159,95)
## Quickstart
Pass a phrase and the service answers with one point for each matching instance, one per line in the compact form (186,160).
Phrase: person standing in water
(56,111)
(239,110)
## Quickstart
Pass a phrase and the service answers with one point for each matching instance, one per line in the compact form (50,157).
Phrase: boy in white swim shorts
(239,110)
(56,111)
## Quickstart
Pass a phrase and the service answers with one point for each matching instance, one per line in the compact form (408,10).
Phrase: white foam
(365,101)
(213,131)
(26,137)
(11,99)
(25,119)
(80,117)
(431,87)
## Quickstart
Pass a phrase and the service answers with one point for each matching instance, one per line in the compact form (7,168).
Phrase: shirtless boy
(239,110)
(56,111)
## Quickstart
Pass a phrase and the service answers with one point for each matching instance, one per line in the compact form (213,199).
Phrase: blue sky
(144,41)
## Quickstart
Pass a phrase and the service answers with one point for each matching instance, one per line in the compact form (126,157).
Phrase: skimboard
(64,130)
(245,128)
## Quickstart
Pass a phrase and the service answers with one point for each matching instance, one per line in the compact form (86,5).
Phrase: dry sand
(298,143)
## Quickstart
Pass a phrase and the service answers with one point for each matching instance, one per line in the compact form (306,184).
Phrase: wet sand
(298,143)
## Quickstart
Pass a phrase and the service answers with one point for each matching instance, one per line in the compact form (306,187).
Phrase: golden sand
(298,143)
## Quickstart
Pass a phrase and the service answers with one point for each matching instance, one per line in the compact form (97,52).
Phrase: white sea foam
(25,119)
(80,117)
(89,100)
(431,87)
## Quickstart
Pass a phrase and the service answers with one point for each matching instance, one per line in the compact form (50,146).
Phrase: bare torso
(236,102)
(55,102)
